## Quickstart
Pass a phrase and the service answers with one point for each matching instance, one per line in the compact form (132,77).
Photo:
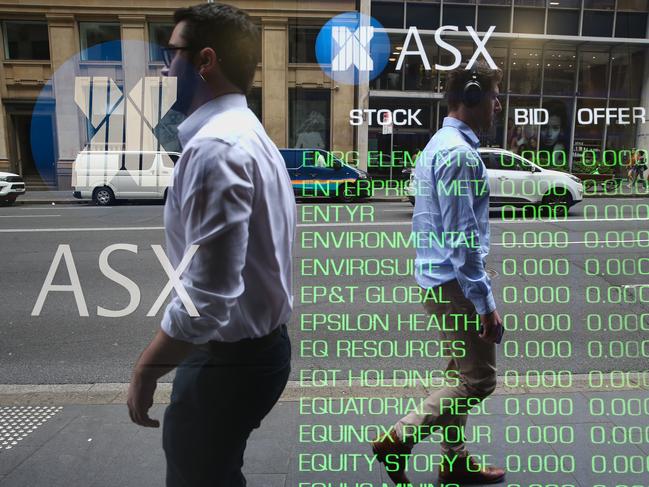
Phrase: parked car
(108,176)
(316,172)
(516,181)
(11,186)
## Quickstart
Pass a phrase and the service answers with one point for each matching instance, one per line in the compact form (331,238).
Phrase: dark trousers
(218,398)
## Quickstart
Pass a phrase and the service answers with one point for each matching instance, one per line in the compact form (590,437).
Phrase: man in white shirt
(232,201)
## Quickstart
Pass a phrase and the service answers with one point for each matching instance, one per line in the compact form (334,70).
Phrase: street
(564,286)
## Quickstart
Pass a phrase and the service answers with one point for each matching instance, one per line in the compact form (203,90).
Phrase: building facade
(561,55)
(45,46)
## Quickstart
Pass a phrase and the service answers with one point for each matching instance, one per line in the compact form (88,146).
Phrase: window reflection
(597,23)
(389,14)
(423,15)
(593,72)
(559,72)
(26,40)
(525,68)
(301,43)
(624,62)
(529,20)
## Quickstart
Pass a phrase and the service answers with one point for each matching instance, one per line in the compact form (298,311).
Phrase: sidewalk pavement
(70,436)
(393,195)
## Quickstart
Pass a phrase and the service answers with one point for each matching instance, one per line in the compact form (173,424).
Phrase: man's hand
(161,356)
(491,327)
(140,400)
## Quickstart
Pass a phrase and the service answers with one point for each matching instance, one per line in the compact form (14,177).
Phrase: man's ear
(207,61)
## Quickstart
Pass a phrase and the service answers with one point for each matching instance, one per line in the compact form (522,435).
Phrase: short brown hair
(230,32)
(458,77)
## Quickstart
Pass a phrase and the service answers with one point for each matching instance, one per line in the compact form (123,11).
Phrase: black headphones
(472,92)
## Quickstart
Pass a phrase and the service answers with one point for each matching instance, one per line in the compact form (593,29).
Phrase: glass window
(159,35)
(495,2)
(564,4)
(588,139)
(466,50)
(530,3)
(619,137)
(301,43)
(498,16)
(26,40)
(390,78)
(422,15)
(459,15)
(554,137)
(309,118)
(494,136)
(525,68)
(389,14)
(521,138)
(416,76)
(559,72)
(424,107)
(626,73)
(529,20)
(597,23)
(631,24)
(490,160)
(254,102)
(563,22)
(635,5)
(499,55)
(100,41)
(600,4)
(593,74)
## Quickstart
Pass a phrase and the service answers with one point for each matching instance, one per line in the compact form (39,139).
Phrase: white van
(107,176)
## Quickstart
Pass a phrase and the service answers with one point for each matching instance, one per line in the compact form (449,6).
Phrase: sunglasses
(168,53)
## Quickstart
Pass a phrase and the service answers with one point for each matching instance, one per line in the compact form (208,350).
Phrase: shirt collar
(468,133)
(192,124)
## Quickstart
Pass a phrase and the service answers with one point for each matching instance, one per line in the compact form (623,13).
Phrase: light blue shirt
(451,216)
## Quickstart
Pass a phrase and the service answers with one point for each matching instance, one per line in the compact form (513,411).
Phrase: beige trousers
(476,371)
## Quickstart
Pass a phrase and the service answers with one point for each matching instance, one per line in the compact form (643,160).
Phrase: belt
(247,344)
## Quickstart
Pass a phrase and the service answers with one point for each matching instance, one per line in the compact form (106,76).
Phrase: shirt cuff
(484,305)
(174,331)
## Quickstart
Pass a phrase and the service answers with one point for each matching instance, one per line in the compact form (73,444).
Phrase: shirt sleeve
(215,198)
(458,169)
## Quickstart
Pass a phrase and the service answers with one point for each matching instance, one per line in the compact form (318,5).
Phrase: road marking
(310,225)
(63,208)
(78,229)
(28,216)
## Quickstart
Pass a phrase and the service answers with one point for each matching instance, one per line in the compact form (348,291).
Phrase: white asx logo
(354,48)
(125,122)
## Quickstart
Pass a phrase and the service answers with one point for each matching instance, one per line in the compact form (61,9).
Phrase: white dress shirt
(231,195)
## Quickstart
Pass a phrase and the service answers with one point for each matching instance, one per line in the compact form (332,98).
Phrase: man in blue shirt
(451,223)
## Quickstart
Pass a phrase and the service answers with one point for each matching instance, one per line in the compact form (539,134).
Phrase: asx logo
(352,45)
(126,122)
(354,48)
